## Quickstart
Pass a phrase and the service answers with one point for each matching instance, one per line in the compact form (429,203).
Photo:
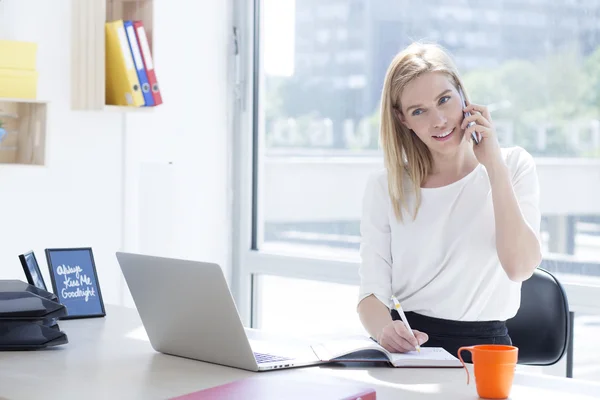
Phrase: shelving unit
(25,124)
(88,47)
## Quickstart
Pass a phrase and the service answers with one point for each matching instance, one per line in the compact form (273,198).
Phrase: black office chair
(541,327)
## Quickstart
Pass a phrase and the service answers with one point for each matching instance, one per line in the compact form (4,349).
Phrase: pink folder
(289,386)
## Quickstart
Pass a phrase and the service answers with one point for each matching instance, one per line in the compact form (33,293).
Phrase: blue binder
(139,63)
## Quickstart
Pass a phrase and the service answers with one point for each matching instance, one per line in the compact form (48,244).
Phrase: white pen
(401,312)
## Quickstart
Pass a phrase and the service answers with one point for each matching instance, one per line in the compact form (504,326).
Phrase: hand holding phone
(474,135)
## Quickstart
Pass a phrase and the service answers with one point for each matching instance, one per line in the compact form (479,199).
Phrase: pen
(399,309)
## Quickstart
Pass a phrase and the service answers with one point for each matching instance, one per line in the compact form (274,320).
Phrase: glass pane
(586,347)
(536,66)
(305,307)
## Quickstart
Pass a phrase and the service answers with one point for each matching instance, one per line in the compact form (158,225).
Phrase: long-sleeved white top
(444,264)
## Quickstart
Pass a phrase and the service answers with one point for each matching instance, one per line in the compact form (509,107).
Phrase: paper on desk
(364,349)
(427,357)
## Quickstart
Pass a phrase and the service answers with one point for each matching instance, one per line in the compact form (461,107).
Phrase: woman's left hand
(488,150)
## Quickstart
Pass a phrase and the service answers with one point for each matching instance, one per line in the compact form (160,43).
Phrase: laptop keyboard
(262,358)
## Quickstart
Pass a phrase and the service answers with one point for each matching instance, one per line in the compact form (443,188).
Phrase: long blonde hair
(403,151)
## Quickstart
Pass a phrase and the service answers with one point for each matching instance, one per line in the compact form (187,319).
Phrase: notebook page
(427,357)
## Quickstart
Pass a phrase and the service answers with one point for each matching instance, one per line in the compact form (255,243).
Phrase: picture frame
(32,271)
(75,281)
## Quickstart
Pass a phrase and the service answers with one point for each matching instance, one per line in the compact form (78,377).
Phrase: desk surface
(110,358)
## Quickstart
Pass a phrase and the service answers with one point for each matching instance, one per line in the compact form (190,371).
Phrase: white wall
(182,209)
(179,209)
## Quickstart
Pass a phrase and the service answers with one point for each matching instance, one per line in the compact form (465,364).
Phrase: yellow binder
(18,84)
(17,55)
(122,84)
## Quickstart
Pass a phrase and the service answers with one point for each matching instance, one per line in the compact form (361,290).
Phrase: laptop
(188,311)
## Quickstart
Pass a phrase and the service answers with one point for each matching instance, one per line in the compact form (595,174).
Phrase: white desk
(104,360)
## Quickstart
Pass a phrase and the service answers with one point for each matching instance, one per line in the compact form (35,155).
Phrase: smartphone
(474,135)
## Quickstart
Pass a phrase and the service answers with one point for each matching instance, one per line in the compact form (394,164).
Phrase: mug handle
(470,350)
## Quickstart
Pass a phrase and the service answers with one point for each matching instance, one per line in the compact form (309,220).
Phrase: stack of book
(18,75)
(130,76)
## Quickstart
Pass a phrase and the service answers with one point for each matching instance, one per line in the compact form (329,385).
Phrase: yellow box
(18,84)
(18,55)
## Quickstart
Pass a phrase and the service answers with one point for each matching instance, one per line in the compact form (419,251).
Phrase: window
(316,131)
(342,34)
(285,306)
(310,194)
(331,10)
(323,36)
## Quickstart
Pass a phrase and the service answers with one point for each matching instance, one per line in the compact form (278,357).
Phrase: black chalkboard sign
(75,281)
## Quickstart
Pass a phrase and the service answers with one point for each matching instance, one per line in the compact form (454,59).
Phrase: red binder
(285,386)
(142,39)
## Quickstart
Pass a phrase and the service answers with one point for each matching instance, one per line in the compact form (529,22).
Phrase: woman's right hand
(396,338)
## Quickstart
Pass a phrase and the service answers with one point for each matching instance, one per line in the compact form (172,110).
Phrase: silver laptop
(188,311)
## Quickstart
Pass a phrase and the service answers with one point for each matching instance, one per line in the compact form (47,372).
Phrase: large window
(535,63)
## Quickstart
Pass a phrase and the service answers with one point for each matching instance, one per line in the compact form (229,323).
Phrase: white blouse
(444,264)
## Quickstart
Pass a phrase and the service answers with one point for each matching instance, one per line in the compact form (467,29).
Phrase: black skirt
(451,335)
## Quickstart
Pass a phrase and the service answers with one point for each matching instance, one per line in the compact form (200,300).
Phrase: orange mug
(494,368)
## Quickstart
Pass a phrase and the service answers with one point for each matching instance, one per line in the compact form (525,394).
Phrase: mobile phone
(474,135)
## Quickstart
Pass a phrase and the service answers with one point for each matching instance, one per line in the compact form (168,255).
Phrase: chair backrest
(541,327)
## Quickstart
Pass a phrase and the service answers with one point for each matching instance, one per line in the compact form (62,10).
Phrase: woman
(449,227)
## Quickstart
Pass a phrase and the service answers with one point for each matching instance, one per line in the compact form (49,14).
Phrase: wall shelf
(25,125)
(88,47)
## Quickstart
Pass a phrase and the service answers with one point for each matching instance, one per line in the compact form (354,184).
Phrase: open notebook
(360,348)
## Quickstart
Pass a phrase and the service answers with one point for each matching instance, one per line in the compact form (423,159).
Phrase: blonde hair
(403,151)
